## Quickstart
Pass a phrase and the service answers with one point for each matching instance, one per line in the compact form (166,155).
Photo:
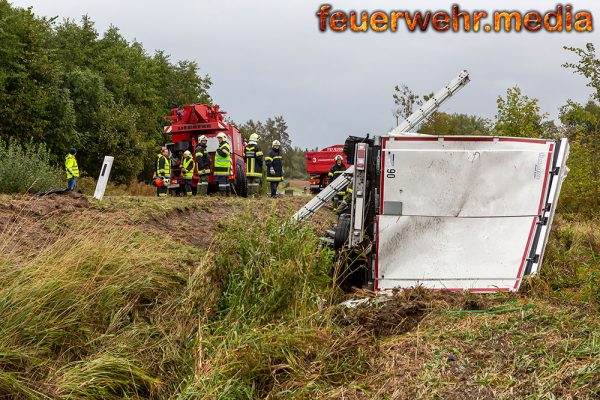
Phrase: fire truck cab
(318,164)
(187,124)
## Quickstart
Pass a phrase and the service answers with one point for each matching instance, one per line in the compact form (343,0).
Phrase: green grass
(117,306)
(27,168)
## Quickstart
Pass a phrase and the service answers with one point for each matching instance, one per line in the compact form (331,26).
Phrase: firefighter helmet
(201,138)
(338,157)
(254,137)
(222,135)
(187,153)
(276,143)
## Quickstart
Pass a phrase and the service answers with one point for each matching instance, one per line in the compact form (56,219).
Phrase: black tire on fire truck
(241,184)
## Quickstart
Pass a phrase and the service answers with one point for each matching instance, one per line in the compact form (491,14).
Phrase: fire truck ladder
(410,123)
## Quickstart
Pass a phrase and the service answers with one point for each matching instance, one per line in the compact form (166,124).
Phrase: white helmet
(276,143)
(221,135)
(254,137)
(201,138)
(187,153)
(338,157)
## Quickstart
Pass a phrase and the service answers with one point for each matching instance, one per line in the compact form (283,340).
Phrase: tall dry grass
(109,309)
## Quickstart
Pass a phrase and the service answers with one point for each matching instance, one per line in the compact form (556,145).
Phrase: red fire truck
(187,124)
(318,164)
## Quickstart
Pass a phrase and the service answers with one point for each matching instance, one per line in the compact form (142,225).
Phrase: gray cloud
(267,57)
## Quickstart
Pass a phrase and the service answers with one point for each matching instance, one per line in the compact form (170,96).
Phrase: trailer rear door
(465,212)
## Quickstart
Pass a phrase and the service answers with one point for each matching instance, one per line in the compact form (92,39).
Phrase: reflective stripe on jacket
(275,161)
(187,168)
(223,159)
(71,166)
(202,160)
(336,171)
(163,166)
(253,157)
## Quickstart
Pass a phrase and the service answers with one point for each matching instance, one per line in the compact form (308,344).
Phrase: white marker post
(103,178)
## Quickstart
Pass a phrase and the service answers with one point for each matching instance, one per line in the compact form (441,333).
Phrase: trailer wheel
(241,184)
(342,231)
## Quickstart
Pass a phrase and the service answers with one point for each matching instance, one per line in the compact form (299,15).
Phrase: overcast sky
(268,58)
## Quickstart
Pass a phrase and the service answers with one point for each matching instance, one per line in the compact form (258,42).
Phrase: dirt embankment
(29,224)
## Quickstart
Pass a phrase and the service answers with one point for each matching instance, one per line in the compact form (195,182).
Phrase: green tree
(588,66)
(442,123)
(581,123)
(294,162)
(66,85)
(519,115)
(405,100)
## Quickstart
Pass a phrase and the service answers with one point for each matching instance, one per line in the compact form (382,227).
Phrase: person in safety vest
(253,157)
(274,163)
(222,166)
(203,164)
(187,171)
(72,169)
(338,169)
(162,172)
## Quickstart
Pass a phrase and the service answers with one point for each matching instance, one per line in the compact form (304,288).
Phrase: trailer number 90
(391,173)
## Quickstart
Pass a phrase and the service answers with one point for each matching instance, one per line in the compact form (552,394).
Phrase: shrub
(27,168)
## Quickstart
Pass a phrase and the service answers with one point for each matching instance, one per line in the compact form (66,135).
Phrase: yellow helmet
(254,137)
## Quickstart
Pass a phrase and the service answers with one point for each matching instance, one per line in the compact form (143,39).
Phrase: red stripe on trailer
(385,139)
(509,139)
(519,277)
(545,178)
(481,290)
(417,139)
(466,139)
(486,290)
(377,256)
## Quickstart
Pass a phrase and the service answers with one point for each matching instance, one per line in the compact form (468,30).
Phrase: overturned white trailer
(446,212)
(464,212)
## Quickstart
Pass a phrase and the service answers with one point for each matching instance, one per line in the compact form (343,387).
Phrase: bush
(27,168)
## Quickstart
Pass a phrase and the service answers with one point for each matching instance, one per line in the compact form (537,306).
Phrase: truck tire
(342,231)
(241,184)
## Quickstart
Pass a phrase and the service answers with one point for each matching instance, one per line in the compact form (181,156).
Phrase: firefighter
(274,163)
(223,164)
(253,157)
(203,165)
(162,172)
(187,171)
(72,169)
(338,169)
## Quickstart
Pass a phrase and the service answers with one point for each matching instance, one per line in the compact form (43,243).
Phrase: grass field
(211,299)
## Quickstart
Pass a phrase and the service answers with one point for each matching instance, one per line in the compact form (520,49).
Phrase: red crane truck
(318,164)
(186,126)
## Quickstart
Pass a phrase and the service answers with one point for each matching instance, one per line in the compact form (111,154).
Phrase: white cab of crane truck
(445,212)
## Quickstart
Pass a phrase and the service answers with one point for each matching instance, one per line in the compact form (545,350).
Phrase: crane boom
(408,124)
(432,105)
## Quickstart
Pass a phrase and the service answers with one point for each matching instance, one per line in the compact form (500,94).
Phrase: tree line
(64,85)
